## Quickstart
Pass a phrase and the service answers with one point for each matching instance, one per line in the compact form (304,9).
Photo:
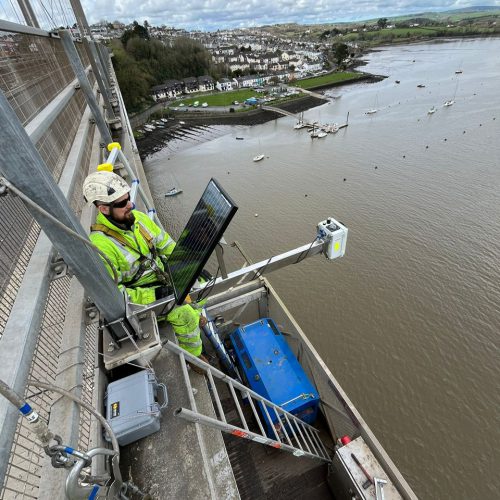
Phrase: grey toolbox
(132,407)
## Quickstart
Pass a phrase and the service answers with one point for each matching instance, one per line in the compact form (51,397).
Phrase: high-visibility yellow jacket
(127,259)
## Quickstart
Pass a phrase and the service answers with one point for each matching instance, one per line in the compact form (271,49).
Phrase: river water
(408,320)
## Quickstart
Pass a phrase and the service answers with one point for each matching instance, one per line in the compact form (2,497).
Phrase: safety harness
(143,259)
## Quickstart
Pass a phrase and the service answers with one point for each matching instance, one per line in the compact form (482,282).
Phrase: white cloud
(215,14)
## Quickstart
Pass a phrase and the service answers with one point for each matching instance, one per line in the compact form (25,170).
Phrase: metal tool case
(132,407)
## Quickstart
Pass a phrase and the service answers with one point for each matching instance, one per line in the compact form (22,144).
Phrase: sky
(210,15)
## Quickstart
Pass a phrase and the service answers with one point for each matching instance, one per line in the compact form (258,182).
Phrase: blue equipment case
(272,371)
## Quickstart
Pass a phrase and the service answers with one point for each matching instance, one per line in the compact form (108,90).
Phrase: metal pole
(98,71)
(192,416)
(104,58)
(81,20)
(22,165)
(79,70)
(28,13)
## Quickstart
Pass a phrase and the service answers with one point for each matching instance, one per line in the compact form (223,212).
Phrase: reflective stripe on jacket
(185,321)
(126,259)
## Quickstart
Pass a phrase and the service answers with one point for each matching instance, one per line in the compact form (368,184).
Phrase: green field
(219,99)
(331,78)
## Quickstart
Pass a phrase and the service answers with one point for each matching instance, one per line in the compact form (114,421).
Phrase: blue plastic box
(272,371)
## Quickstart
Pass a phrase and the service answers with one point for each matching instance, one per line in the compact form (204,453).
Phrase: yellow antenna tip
(113,145)
(105,167)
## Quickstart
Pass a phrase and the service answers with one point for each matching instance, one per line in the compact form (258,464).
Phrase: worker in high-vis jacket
(136,247)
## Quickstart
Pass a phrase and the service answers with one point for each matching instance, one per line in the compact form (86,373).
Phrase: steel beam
(79,70)
(22,28)
(21,163)
(95,62)
(43,120)
(28,13)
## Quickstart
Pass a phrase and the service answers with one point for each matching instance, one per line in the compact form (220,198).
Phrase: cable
(115,461)
(163,313)
(60,225)
(300,257)
(208,287)
(259,273)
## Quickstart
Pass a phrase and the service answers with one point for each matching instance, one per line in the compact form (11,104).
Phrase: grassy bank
(328,79)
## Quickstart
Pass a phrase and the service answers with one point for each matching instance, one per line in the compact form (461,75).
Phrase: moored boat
(173,191)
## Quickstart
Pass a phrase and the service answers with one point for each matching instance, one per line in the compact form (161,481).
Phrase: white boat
(299,125)
(182,123)
(451,102)
(173,191)
(196,104)
(321,134)
(332,129)
(149,127)
(204,105)
(164,120)
(431,110)
(373,110)
(258,157)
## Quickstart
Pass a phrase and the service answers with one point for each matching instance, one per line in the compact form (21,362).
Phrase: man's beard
(126,221)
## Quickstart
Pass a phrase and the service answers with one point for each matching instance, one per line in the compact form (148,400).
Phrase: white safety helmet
(104,186)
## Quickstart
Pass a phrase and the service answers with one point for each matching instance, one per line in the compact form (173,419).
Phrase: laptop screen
(203,231)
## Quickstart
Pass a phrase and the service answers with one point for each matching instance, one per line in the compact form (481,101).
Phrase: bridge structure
(279,110)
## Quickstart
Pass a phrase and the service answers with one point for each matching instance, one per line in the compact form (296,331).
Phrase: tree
(137,30)
(340,52)
(382,22)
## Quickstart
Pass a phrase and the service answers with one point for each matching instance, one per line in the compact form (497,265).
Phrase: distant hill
(456,14)
(472,9)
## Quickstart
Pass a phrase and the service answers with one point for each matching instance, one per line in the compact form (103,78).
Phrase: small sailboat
(451,102)
(373,110)
(173,191)
(432,110)
(258,157)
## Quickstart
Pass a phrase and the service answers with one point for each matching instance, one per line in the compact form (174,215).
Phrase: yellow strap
(146,236)
(118,237)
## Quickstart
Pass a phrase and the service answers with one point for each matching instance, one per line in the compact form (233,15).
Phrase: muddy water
(408,320)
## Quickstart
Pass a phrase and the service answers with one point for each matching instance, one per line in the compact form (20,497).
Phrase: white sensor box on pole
(334,234)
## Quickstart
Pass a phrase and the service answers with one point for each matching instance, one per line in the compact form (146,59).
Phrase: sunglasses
(122,203)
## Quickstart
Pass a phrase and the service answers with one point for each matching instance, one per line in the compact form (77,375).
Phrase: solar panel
(203,231)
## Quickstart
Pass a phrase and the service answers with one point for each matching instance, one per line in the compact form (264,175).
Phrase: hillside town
(250,57)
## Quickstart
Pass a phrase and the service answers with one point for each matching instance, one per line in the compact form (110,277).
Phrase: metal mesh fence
(33,70)
(15,252)
(88,384)
(56,143)
(23,473)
